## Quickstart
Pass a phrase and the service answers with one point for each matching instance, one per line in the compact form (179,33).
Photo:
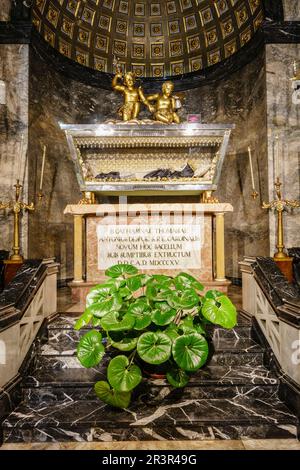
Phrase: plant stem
(131,357)
(178,317)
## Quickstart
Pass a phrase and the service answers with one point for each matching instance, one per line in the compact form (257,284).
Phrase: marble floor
(243,444)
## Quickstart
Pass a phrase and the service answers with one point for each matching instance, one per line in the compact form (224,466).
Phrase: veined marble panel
(13,125)
(5,6)
(283,117)
(291,10)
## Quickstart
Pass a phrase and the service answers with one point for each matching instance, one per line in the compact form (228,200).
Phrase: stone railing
(275,304)
(24,304)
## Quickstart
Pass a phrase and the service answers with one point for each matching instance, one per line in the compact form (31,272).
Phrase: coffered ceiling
(154,38)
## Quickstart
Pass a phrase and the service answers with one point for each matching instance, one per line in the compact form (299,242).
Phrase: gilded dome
(153,38)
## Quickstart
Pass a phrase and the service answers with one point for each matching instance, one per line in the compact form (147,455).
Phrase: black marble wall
(241,99)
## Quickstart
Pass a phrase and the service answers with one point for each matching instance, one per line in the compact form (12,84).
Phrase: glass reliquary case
(153,158)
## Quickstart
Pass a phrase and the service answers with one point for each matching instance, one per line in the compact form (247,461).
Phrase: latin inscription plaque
(153,246)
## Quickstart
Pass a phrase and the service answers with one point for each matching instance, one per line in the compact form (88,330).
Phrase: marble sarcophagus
(147,157)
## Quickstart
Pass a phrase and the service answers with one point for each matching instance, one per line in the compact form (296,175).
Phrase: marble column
(283,120)
(13,129)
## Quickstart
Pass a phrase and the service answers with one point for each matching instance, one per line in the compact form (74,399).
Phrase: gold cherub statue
(164,109)
(132,96)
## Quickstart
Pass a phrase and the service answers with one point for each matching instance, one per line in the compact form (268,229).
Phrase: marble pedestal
(157,238)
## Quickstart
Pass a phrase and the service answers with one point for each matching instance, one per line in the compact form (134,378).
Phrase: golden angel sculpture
(132,95)
(164,109)
(161,105)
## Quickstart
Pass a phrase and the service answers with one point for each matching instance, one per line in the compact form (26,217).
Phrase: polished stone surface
(5,6)
(14,71)
(186,419)
(233,397)
(25,276)
(242,444)
(274,283)
(18,293)
(295,254)
(291,10)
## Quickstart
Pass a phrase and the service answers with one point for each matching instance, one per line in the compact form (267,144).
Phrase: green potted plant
(148,320)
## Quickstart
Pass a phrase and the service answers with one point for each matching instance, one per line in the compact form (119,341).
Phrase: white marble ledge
(101,209)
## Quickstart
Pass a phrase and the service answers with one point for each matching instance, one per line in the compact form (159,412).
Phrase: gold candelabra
(280,205)
(17,206)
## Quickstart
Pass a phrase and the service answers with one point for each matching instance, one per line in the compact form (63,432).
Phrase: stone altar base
(156,238)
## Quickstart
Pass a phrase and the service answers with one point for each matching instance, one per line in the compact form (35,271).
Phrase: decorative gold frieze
(140,141)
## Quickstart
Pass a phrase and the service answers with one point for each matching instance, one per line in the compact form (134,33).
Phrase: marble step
(55,358)
(151,396)
(67,321)
(209,382)
(89,420)
(64,326)
(67,359)
(209,375)
(57,335)
(66,346)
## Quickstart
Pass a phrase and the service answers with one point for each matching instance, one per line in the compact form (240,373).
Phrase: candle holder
(17,207)
(254,194)
(280,205)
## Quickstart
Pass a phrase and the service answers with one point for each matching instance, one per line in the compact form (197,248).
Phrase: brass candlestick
(17,206)
(280,205)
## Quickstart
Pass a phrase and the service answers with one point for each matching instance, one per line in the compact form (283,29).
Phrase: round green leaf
(178,378)
(190,351)
(96,321)
(163,314)
(111,396)
(183,300)
(116,283)
(84,320)
(213,294)
(125,292)
(160,279)
(123,342)
(122,375)
(185,281)
(187,325)
(134,283)
(99,292)
(113,322)
(112,302)
(141,312)
(220,311)
(90,349)
(158,292)
(199,329)
(172,332)
(154,348)
(120,270)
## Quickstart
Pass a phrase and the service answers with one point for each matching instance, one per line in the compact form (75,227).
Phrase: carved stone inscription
(150,246)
